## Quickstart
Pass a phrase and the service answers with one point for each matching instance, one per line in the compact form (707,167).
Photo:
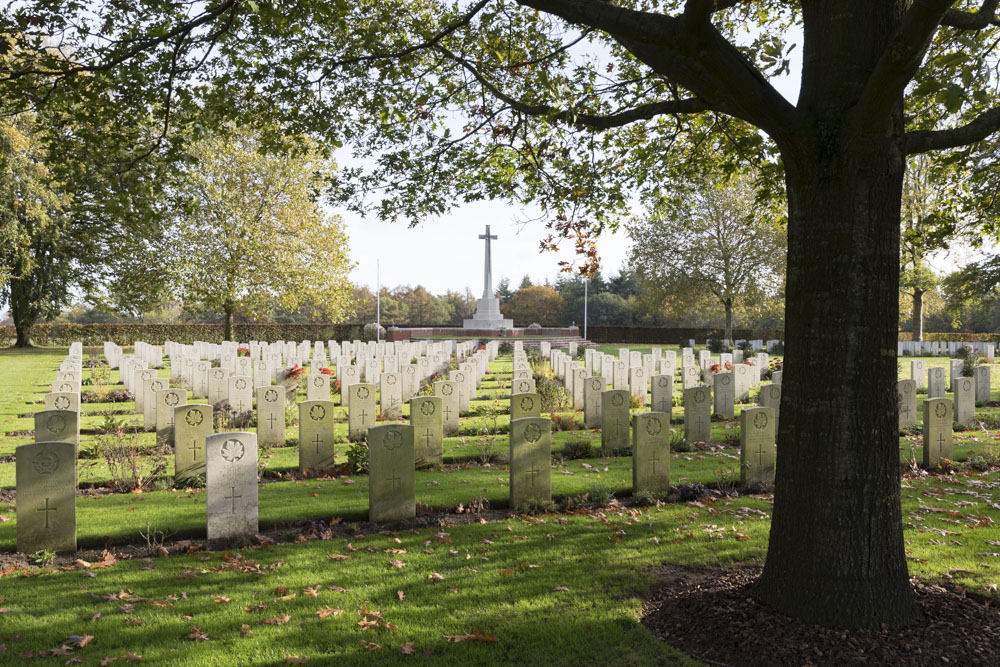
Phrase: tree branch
(984,18)
(690,51)
(603,122)
(929,140)
(899,62)
(142,45)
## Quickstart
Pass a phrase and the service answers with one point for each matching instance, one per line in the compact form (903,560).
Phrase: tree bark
(728,303)
(21,312)
(228,333)
(836,554)
(918,315)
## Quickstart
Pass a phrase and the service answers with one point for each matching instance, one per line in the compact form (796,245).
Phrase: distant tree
(503,290)
(525,282)
(249,233)
(624,284)
(608,309)
(535,304)
(462,304)
(714,238)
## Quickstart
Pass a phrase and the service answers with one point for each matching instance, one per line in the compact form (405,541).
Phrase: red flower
(294,372)
(716,368)
(729,365)
(327,371)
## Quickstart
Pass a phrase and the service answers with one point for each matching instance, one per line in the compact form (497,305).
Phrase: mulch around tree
(712,616)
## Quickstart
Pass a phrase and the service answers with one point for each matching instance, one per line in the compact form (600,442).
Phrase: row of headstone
(944,348)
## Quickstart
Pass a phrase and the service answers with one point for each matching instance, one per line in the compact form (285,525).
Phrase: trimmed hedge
(955,337)
(673,335)
(126,334)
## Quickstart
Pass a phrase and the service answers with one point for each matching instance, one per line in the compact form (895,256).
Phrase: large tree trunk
(918,315)
(836,553)
(21,312)
(227,334)
(728,303)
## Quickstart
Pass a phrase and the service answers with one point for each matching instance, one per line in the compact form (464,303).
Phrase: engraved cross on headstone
(533,472)
(427,437)
(395,480)
(46,509)
(316,441)
(654,461)
(271,420)
(233,497)
(194,448)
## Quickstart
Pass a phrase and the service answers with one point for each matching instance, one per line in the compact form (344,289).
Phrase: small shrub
(715,346)
(43,557)
(571,503)
(533,506)
(978,463)
(778,348)
(634,402)
(621,452)
(600,494)
(131,468)
(564,422)
(578,449)
(505,348)
(688,492)
(357,458)
(552,394)
(969,360)
(643,498)
(677,441)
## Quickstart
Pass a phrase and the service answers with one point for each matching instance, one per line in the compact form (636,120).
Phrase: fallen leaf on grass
(401,595)
(311,591)
(295,660)
(79,640)
(406,649)
(329,611)
(434,576)
(197,635)
(220,599)
(75,660)
(476,636)
(369,646)
(108,660)
(339,557)
(132,657)
(397,563)
(561,588)
(277,620)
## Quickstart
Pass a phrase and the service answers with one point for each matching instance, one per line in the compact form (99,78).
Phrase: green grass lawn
(563,588)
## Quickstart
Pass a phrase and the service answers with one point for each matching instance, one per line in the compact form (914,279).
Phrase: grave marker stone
(391,396)
(58,426)
(937,431)
(271,416)
(427,420)
(918,373)
(757,449)
(593,387)
(697,415)
(192,425)
(965,400)
(906,394)
(935,382)
(663,393)
(318,387)
(614,419)
(448,393)
(725,395)
(166,402)
(241,394)
(651,452)
(62,400)
(45,474)
(360,409)
(231,484)
(981,377)
(525,405)
(316,436)
(391,477)
(531,461)
(770,397)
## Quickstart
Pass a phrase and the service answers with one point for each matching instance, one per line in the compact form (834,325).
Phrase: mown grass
(560,588)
